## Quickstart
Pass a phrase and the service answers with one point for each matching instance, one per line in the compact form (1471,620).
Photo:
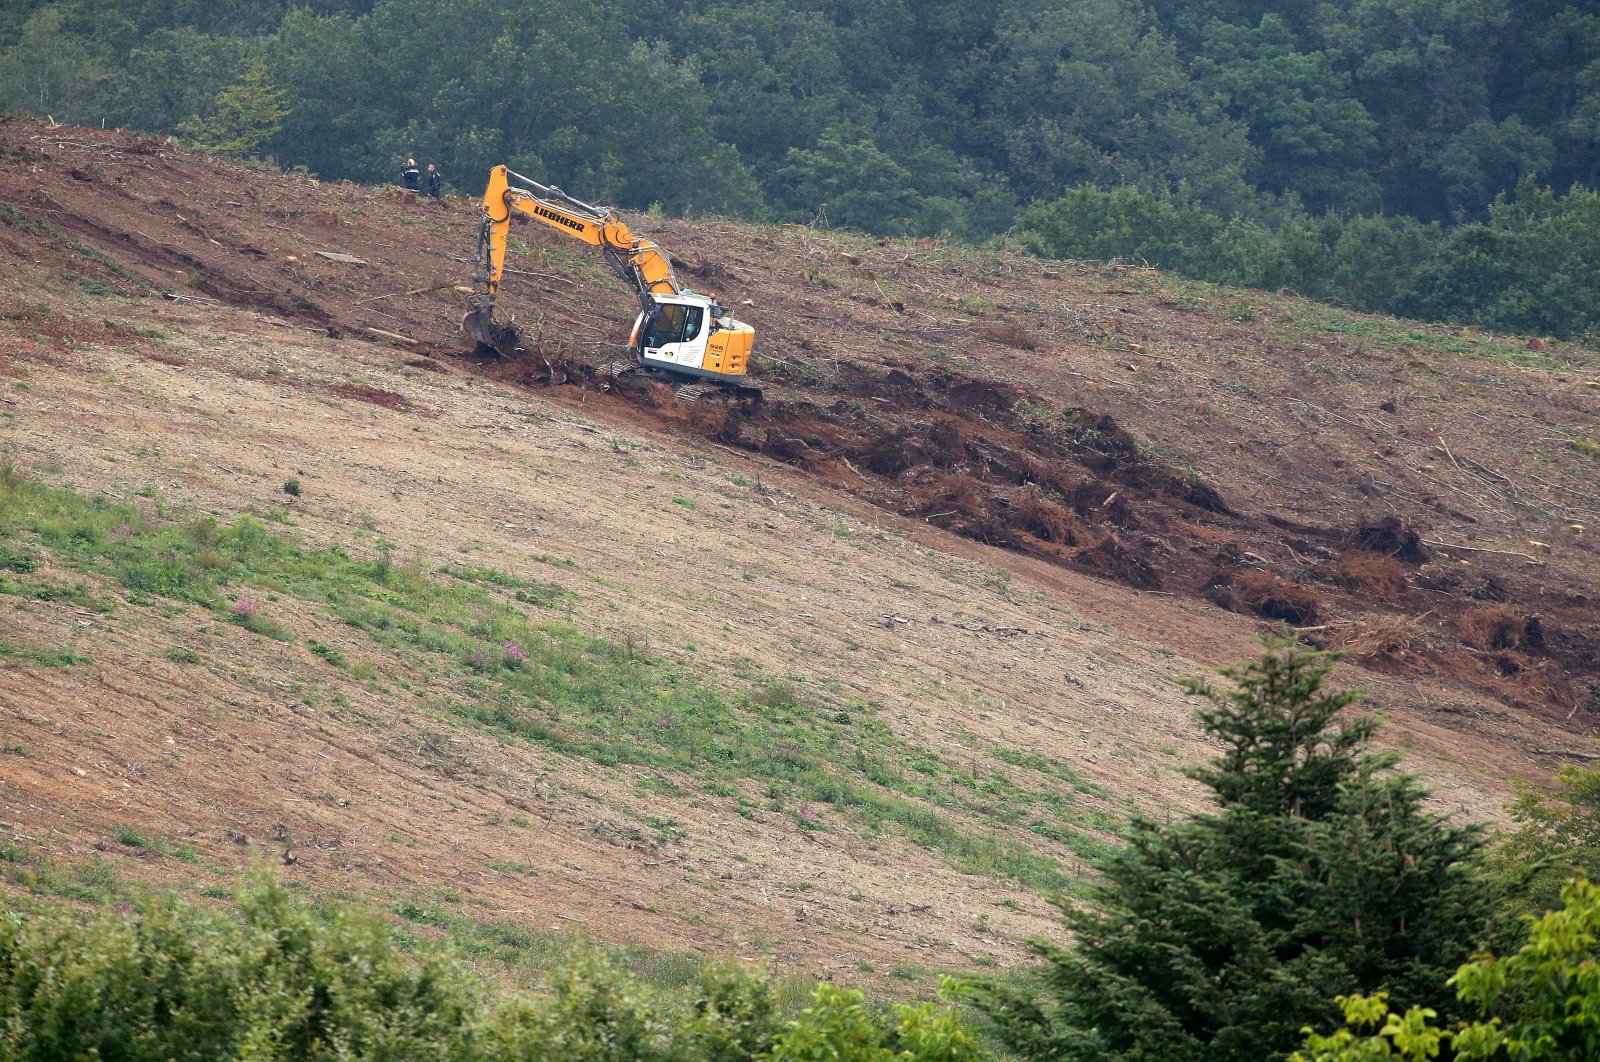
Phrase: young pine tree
(1220,937)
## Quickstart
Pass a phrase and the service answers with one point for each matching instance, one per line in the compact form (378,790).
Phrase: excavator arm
(639,262)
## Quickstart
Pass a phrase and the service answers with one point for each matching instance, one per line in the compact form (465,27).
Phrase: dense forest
(1417,156)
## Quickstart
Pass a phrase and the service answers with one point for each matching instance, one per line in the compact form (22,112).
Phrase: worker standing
(410,174)
(435,180)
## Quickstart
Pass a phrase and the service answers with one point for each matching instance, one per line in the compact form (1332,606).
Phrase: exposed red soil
(1384,494)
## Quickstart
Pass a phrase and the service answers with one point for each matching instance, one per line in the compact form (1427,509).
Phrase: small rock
(289,858)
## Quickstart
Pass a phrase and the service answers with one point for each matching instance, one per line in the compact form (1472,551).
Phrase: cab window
(691,324)
(667,327)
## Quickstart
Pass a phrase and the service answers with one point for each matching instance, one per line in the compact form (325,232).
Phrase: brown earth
(1008,502)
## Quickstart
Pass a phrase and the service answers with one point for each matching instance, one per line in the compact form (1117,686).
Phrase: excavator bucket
(479,324)
(496,340)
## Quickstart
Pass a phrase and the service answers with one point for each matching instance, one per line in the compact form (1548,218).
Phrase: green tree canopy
(1221,936)
(1539,1004)
(1555,834)
(245,118)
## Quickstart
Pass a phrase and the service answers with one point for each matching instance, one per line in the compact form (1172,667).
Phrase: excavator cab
(685,333)
(675,333)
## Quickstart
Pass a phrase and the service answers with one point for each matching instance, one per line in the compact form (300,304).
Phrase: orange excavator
(680,336)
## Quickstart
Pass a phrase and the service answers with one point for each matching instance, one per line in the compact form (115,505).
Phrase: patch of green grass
(328,653)
(43,657)
(537,679)
(88,285)
(655,783)
(116,267)
(527,591)
(50,590)
(1298,318)
(95,881)
(256,623)
(519,869)
(19,560)
(134,838)
(1303,317)
(1045,765)
(13,218)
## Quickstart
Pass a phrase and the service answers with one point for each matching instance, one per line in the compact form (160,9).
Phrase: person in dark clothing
(435,181)
(410,174)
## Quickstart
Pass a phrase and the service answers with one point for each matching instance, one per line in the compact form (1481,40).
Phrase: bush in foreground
(271,980)
(1541,1004)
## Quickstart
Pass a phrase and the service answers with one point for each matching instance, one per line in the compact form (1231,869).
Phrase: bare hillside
(853,681)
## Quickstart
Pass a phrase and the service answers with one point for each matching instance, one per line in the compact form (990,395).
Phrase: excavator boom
(640,262)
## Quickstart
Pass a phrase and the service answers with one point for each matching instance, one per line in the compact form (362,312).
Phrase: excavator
(679,337)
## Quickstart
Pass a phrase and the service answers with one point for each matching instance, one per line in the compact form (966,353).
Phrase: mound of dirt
(1264,594)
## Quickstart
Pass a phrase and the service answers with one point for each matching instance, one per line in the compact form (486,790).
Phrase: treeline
(1320,909)
(1531,266)
(891,116)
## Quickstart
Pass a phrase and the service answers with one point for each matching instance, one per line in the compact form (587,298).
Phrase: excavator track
(702,392)
(694,391)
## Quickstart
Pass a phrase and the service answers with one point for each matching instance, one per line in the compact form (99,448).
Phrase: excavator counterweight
(679,334)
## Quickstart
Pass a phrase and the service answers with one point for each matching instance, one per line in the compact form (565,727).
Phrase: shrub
(1555,835)
(1540,1003)
(271,979)
(169,981)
